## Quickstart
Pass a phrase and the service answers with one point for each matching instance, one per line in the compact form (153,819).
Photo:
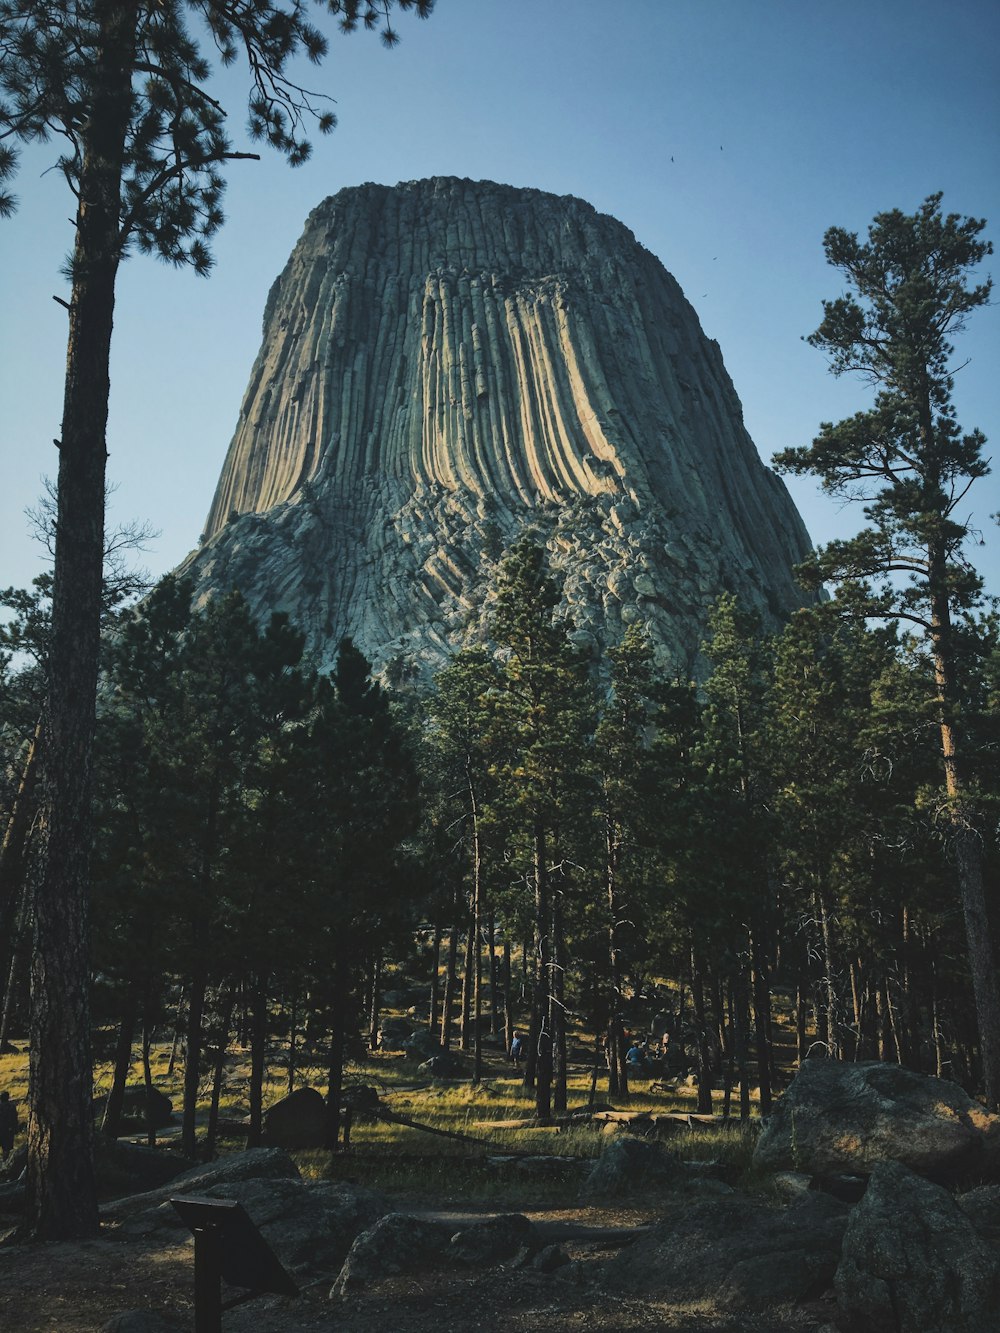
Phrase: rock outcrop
(837,1117)
(447,361)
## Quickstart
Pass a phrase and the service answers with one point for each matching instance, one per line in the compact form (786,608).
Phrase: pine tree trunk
(448,1002)
(61,1188)
(13,886)
(557,1007)
(335,1080)
(435,1001)
(468,985)
(374,1001)
(192,1060)
(761,1016)
(508,1008)
(704,1062)
(147,1081)
(258,1059)
(475,936)
(741,1028)
(541,1033)
(218,1070)
(966,842)
(293,1018)
(491,946)
(123,1063)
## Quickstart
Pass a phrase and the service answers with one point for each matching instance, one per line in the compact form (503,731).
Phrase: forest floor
(77,1287)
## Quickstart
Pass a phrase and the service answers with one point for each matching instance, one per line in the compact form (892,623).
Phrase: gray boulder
(741,1254)
(913,1262)
(982,1207)
(838,1117)
(393,1032)
(132,1168)
(395,1244)
(309,1227)
(442,1065)
(629,1166)
(421,1045)
(254,1164)
(297,1121)
(493,1239)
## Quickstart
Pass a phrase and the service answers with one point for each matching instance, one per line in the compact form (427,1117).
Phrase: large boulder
(135,1100)
(629,1167)
(838,1117)
(914,1263)
(297,1121)
(309,1227)
(254,1164)
(395,1244)
(738,1253)
(493,1239)
(420,1045)
(982,1207)
(132,1168)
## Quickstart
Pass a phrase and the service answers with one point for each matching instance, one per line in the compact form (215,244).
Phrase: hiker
(8,1124)
(515,1049)
(635,1058)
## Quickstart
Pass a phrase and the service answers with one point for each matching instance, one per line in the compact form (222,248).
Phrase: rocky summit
(446,362)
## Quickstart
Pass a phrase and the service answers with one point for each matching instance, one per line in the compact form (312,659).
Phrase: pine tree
(124,84)
(543,718)
(908,460)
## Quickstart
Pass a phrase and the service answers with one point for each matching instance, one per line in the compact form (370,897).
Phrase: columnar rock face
(445,362)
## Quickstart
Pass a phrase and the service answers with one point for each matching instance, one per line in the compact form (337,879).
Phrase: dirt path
(78,1287)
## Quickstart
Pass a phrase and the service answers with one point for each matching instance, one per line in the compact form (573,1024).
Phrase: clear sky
(727,134)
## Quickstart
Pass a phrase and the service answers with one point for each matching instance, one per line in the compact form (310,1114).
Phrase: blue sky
(727,135)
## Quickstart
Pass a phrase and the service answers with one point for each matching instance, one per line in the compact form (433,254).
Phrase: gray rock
(982,1207)
(132,1168)
(254,1164)
(309,1227)
(443,1065)
(421,1045)
(393,1032)
(395,1244)
(737,1252)
(792,1185)
(393,432)
(629,1167)
(296,1121)
(838,1117)
(550,1258)
(913,1262)
(493,1239)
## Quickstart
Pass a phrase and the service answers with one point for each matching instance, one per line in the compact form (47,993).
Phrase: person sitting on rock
(635,1058)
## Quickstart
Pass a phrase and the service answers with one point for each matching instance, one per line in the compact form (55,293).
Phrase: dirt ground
(78,1287)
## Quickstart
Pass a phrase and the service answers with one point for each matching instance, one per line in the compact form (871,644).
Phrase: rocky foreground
(875,1205)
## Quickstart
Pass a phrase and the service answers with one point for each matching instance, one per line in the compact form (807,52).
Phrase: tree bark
(435,1002)
(448,1001)
(335,1081)
(557,1007)
(123,1063)
(258,1059)
(192,1058)
(541,1036)
(61,1188)
(12,859)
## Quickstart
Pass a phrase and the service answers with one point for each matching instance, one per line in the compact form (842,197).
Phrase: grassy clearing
(408,1161)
